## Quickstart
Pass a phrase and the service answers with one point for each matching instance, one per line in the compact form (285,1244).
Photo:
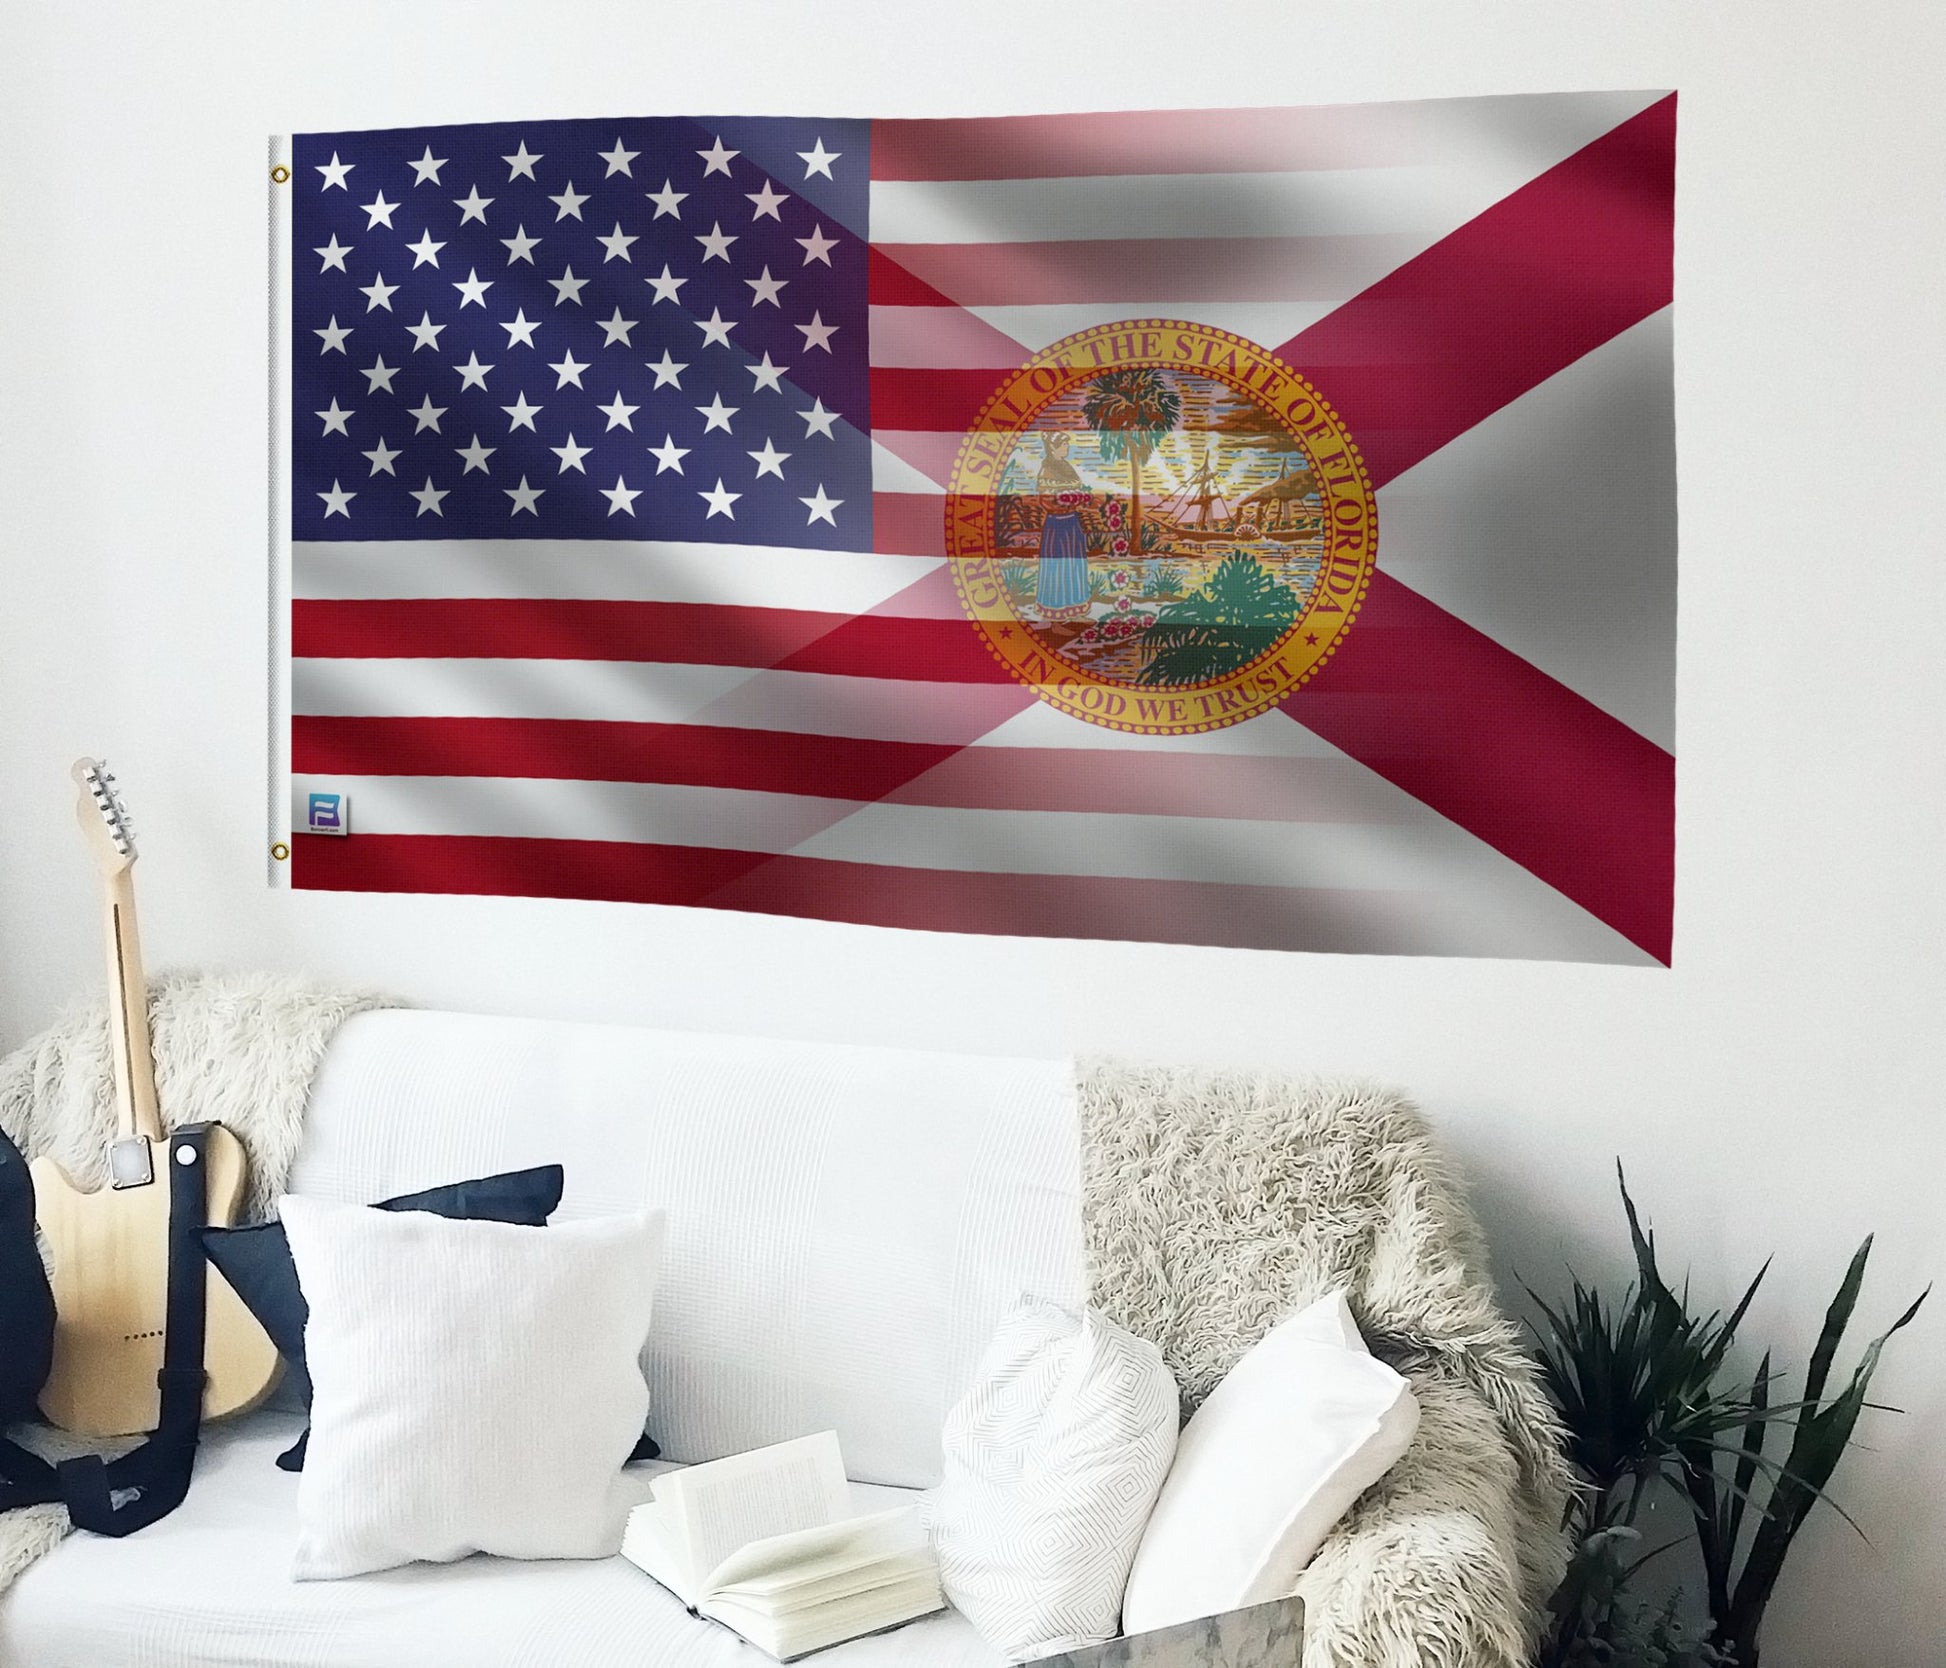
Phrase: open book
(764,1543)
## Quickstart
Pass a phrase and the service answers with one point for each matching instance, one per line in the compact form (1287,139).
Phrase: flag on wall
(1248,527)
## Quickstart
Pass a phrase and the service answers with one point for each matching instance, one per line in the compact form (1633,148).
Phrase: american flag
(620,461)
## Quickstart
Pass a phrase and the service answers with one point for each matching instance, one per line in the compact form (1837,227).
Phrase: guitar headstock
(103,817)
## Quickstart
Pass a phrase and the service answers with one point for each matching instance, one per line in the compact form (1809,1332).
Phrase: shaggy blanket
(236,1049)
(1214,1203)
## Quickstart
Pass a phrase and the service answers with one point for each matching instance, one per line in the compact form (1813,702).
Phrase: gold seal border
(1352,607)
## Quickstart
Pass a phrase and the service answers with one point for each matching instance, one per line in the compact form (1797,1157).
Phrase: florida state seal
(1160,527)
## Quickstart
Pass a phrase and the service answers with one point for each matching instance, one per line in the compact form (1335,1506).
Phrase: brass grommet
(280,174)
(281,852)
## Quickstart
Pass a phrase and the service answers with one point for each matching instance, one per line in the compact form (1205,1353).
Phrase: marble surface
(1265,1636)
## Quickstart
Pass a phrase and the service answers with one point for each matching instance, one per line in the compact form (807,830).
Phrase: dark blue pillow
(258,1264)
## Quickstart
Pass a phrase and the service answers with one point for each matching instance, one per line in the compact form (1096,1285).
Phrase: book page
(775,1564)
(724,1505)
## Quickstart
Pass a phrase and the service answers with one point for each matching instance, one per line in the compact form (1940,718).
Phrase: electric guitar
(110,1248)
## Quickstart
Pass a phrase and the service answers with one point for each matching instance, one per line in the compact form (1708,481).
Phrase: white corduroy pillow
(1300,1427)
(1053,1460)
(476,1386)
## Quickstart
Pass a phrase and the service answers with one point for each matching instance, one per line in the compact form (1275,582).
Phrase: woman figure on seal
(1061,587)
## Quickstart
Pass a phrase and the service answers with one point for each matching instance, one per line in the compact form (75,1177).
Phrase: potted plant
(1651,1397)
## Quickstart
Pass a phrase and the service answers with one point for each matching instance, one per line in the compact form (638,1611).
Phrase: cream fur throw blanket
(235,1049)
(1214,1204)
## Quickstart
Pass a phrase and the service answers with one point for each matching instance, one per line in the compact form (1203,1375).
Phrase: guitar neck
(128,1012)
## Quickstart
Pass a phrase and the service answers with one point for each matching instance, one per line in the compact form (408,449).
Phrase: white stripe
(639,692)
(1487,148)
(938,336)
(1265,322)
(610,570)
(891,473)
(1551,527)
(1488,902)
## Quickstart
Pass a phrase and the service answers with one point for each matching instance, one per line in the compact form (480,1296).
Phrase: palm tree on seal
(1131,410)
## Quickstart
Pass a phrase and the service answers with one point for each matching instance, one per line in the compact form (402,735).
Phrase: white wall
(1779,1090)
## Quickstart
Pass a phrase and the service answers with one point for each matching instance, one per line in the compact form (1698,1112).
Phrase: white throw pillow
(1298,1429)
(1053,1460)
(476,1386)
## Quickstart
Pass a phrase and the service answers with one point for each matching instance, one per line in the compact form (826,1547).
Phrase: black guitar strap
(117,1497)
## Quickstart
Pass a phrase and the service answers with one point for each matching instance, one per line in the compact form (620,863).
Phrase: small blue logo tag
(327,813)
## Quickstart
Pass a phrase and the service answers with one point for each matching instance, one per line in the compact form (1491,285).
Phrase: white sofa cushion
(210,1584)
(844,1222)
(1296,1431)
(1053,1459)
(475,1386)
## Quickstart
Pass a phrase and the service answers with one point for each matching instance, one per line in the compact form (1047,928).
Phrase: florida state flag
(1247,527)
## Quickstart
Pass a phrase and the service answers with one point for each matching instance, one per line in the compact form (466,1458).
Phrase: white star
(668,455)
(334,335)
(615,329)
(819,160)
(428,415)
(765,289)
(820,507)
(381,457)
(567,287)
(570,456)
(816,247)
(818,421)
(521,414)
(720,501)
(567,369)
(665,287)
(334,419)
(426,251)
(767,201)
(521,162)
(337,501)
(378,292)
(716,245)
(569,202)
(429,497)
(524,497)
(666,200)
(520,247)
(472,206)
(618,159)
(770,461)
(379,375)
(716,160)
(380,211)
(520,329)
(667,372)
(717,413)
(616,243)
(767,375)
(334,173)
(476,455)
(621,497)
(714,329)
(473,291)
(427,167)
(472,374)
(818,334)
(334,254)
(617,413)
(424,334)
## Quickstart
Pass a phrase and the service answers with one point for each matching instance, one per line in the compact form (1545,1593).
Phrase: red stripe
(908,524)
(938,399)
(1153,142)
(1549,273)
(1106,782)
(888,284)
(1139,272)
(938,900)
(512,628)
(1490,741)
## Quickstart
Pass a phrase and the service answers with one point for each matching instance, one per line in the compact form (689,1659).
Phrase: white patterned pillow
(1053,1460)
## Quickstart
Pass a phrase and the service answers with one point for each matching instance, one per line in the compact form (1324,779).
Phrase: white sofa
(845,1227)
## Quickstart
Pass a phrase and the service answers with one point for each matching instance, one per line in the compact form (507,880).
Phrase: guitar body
(111,1296)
